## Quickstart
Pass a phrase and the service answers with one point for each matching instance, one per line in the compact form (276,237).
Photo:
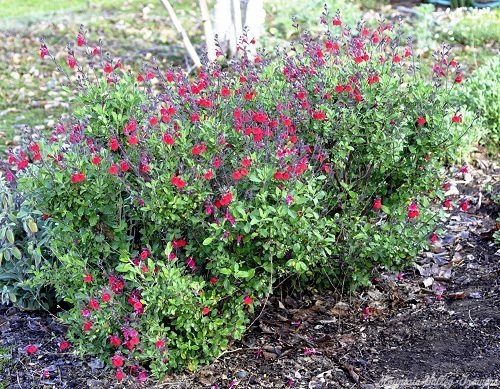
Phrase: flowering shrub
(177,203)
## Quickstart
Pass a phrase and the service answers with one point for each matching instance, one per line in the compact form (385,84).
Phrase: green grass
(25,8)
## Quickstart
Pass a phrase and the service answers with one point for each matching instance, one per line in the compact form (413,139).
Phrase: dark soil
(437,325)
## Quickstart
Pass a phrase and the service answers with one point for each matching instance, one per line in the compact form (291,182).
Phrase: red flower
(87,278)
(373,79)
(205,103)
(31,349)
(132,140)
(178,243)
(140,78)
(458,78)
(413,210)
(447,204)
(213,280)
(96,50)
(124,166)
(96,160)
(377,203)
(336,21)
(153,120)
(198,149)
(144,167)
(80,40)
(117,361)
(396,58)
(247,300)
(464,169)
(115,341)
(464,206)
(226,199)
(160,343)
(105,296)
(87,326)
(168,139)
(108,68)
(77,177)
(319,115)
(225,91)
(94,304)
(339,88)
(113,144)
(433,238)
(119,375)
(71,62)
(208,175)
(64,345)
(43,51)
(330,46)
(250,95)
(113,169)
(421,121)
(191,263)
(134,341)
(375,38)
(246,162)
(205,311)
(457,118)
(178,182)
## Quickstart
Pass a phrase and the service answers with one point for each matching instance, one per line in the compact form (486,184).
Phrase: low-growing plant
(470,26)
(481,94)
(23,234)
(177,204)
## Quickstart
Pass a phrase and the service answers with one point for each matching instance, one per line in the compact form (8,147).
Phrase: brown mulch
(435,325)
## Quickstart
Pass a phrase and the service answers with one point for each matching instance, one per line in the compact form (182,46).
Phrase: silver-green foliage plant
(482,94)
(22,240)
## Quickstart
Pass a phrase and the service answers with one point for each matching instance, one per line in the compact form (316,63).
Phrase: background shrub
(175,204)
(482,94)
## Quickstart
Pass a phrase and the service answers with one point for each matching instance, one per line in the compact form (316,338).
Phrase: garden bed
(402,330)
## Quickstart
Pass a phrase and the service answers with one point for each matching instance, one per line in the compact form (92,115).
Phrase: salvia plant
(177,203)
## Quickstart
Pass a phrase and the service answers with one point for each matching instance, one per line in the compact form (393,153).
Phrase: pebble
(241,374)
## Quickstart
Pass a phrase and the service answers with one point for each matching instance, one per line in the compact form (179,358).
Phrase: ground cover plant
(176,204)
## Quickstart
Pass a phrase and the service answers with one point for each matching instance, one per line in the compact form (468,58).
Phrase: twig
(227,352)
(189,47)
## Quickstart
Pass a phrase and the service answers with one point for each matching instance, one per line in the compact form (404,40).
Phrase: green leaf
(385,209)
(10,236)
(32,226)
(93,220)
(207,241)
(16,252)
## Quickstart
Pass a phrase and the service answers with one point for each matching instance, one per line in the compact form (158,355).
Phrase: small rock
(475,295)
(428,281)
(241,374)
(91,383)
